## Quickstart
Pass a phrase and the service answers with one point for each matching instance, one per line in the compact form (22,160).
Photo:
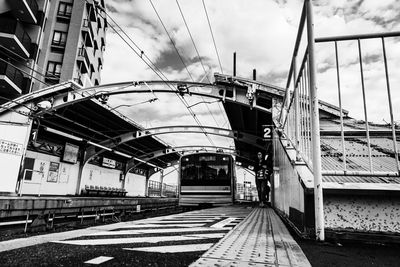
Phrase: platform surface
(259,240)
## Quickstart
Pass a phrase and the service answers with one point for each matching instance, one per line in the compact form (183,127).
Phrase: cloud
(262,33)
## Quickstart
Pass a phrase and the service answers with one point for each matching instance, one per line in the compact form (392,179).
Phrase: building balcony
(25,10)
(83,60)
(52,77)
(87,33)
(14,37)
(91,10)
(11,80)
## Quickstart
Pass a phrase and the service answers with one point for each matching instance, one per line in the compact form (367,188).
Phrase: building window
(98,25)
(53,69)
(64,9)
(59,38)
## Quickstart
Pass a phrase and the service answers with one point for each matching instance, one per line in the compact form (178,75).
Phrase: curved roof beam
(123,138)
(184,149)
(244,93)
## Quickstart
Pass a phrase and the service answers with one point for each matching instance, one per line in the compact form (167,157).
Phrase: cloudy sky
(262,33)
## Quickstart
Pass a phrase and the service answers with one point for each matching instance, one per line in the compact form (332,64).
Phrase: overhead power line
(199,57)
(179,55)
(26,73)
(212,35)
(172,41)
(194,44)
(159,73)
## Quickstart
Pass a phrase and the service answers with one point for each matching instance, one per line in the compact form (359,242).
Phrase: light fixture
(99,146)
(70,136)
(145,162)
(122,154)
(44,105)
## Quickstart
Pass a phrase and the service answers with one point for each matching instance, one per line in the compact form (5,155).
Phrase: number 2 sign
(267,132)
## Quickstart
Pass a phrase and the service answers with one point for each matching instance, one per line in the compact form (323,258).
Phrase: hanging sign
(267,132)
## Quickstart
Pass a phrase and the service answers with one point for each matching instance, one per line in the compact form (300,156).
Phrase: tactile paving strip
(259,240)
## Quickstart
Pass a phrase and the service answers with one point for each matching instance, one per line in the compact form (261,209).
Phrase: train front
(206,179)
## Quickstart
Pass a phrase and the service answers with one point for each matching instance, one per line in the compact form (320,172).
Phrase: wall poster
(52,175)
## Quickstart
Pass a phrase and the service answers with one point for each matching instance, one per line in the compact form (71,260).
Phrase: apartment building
(45,42)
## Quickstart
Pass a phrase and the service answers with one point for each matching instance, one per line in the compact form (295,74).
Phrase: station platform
(237,235)
(261,239)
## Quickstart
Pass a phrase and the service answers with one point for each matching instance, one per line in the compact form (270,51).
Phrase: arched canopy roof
(82,114)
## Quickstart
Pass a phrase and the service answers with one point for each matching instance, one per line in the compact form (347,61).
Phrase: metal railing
(13,74)
(33,5)
(12,26)
(299,118)
(156,188)
(296,118)
(344,151)
(83,53)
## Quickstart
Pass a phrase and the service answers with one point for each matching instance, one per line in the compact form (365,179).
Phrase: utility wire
(194,44)
(166,81)
(198,55)
(172,41)
(154,68)
(212,35)
(30,75)
(180,57)
(32,69)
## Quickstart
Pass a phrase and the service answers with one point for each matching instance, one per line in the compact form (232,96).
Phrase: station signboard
(70,153)
(109,163)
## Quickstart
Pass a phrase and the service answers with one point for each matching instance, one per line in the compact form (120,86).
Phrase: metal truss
(135,135)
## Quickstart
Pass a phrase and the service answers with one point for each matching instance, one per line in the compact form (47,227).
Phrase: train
(206,179)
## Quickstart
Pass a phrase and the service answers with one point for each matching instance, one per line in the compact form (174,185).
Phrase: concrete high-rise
(45,42)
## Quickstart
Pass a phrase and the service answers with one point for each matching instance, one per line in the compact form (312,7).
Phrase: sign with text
(109,163)
(267,132)
(70,153)
(52,175)
(10,147)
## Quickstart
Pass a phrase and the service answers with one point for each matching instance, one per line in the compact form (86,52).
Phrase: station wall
(288,192)
(13,139)
(100,176)
(362,213)
(135,185)
(53,177)
(50,176)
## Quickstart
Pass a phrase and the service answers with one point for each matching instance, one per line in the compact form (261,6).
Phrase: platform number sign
(267,132)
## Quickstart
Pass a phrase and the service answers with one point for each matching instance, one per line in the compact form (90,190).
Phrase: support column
(296,111)
(146,190)
(82,164)
(162,182)
(315,134)
(234,63)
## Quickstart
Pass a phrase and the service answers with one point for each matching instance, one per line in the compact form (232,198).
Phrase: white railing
(299,118)
(366,138)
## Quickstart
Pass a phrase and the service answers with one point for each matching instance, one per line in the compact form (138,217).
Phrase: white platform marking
(181,221)
(154,231)
(99,260)
(175,249)
(132,240)
(222,223)
(162,225)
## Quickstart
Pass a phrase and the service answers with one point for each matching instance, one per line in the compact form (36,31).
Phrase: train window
(206,170)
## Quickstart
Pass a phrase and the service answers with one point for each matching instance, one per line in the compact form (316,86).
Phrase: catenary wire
(199,57)
(212,35)
(165,80)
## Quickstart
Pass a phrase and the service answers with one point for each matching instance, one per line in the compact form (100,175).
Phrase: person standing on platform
(262,170)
